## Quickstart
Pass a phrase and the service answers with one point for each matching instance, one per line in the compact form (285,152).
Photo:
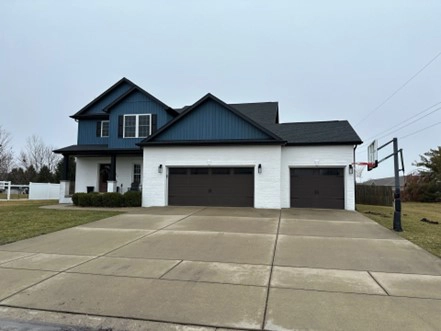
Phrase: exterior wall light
(160,169)
(259,168)
(351,169)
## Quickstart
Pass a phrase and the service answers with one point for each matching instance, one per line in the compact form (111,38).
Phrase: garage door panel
(317,188)
(211,186)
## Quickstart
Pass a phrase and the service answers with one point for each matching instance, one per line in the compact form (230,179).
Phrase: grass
(425,235)
(25,219)
(4,196)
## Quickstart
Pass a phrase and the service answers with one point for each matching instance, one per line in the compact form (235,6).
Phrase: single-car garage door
(229,187)
(317,188)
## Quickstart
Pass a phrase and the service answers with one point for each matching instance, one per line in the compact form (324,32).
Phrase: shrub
(96,199)
(75,198)
(84,199)
(112,200)
(132,199)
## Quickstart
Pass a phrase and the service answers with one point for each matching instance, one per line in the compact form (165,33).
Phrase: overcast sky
(321,60)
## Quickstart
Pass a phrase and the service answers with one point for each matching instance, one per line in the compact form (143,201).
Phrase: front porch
(101,171)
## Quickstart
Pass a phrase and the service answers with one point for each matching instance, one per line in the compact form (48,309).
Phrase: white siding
(87,171)
(266,184)
(317,156)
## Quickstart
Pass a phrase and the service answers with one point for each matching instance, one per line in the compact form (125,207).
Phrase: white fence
(36,191)
(44,191)
(7,188)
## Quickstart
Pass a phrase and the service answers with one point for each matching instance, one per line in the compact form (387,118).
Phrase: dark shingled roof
(94,149)
(299,133)
(310,133)
(261,112)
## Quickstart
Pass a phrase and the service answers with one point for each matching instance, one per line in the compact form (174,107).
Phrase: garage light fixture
(259,168)
(160,169)
(351,169)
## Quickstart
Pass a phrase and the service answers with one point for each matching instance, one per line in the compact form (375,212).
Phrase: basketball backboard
(372,155)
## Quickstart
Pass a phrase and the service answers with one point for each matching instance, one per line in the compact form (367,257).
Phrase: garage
(228,187)
(317,188)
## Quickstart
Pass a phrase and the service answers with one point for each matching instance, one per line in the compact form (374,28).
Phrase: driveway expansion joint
(165,273)
(378,283)
(271,272)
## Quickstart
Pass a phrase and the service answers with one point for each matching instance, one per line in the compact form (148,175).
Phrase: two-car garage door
(317,188)
(233,187)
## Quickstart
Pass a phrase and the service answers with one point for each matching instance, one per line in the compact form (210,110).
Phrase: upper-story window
(104,128)
(137,126)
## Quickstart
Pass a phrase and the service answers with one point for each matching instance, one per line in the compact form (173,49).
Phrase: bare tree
(37,154)
(6,154)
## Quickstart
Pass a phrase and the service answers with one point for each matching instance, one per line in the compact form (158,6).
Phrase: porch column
(65,172)
(65,182)
(111,183)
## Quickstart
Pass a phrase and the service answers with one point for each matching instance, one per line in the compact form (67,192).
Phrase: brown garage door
(317,188)
(233,187)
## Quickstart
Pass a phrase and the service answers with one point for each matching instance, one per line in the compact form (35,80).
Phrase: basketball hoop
(370,165)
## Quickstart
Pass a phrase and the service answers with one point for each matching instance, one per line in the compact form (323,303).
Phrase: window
(104,128)
(178,171)
(137,173)
(137,126)
(199,171)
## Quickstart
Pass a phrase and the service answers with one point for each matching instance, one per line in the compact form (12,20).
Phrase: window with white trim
(104,128)
(137,126)
(137,173)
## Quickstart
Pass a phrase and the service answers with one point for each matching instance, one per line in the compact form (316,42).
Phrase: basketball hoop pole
(397,195)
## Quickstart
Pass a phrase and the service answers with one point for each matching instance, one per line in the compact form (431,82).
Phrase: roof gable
(137,94)
(96,106)
(211,120)
(100,106)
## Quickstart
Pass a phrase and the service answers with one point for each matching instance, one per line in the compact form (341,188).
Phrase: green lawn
(427,236)
(24,219)
(4,196)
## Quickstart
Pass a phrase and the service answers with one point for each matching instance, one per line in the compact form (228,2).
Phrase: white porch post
(64,192)
(111,186)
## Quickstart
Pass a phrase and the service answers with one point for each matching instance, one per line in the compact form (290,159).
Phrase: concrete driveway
(206,268)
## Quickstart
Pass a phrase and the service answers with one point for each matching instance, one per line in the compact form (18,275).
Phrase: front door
(103,177)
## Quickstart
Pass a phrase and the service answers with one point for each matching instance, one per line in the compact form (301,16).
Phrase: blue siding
(135,103)
(98,107)
(87,133)
(212,121)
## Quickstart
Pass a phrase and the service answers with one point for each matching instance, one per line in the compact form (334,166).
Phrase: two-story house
(210,153)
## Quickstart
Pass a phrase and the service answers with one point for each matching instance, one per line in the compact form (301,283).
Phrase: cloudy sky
(373,63)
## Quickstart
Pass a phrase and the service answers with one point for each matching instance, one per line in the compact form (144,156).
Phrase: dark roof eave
(90,117)
(324,143)
(211,143)
(78,150)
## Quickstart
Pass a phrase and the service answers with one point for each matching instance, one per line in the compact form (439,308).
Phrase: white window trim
(108,129)
(137,125)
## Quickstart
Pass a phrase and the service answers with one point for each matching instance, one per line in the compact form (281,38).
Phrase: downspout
(355,175)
